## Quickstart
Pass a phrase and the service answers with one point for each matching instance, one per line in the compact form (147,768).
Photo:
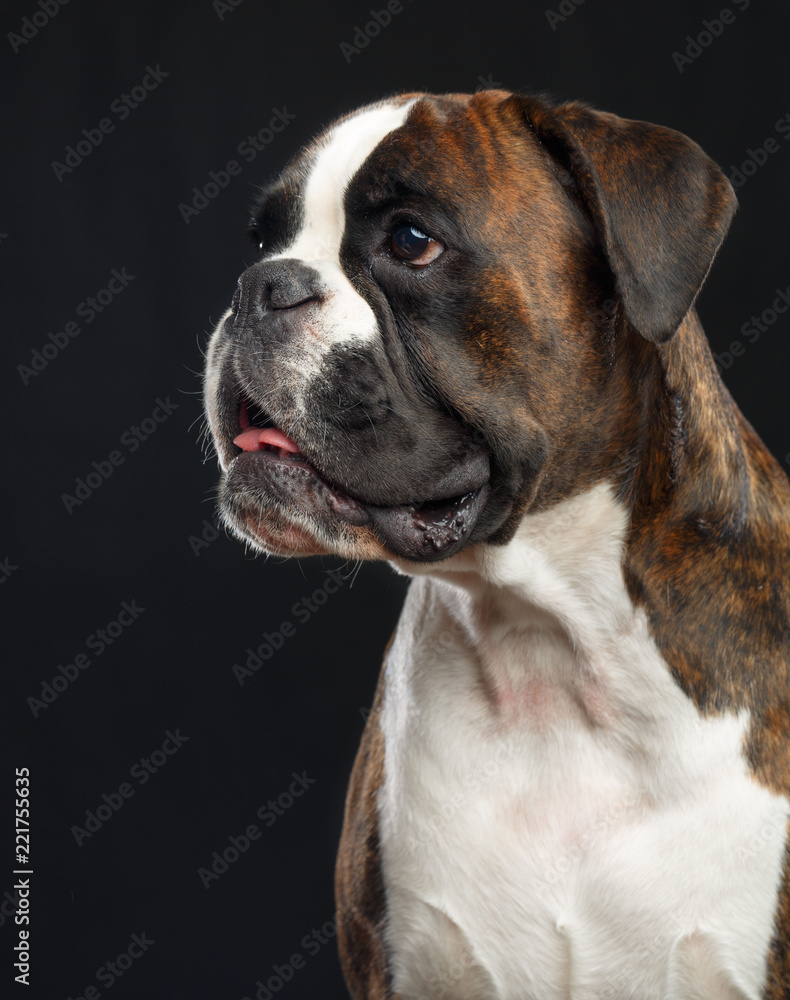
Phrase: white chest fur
(558,822)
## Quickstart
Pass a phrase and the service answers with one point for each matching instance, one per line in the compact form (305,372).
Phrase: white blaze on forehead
(342,152)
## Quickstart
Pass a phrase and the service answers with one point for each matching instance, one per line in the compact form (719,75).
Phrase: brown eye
(413,247)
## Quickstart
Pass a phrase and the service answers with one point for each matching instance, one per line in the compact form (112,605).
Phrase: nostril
(236,300)
(280,298)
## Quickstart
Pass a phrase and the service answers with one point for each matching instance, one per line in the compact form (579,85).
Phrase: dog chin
(272,532)
(279,540)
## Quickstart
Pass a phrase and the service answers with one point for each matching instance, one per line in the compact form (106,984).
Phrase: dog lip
(424,531)
(430,531)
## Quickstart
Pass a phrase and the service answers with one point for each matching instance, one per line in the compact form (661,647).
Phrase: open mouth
(258,433)
(426,532)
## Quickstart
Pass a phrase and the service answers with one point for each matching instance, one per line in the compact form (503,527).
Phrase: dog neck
(547,614)
(542,612)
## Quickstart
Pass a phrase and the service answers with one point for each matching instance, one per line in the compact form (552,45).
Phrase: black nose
(275,284)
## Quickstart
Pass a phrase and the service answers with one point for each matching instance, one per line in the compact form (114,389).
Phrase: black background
(302,711)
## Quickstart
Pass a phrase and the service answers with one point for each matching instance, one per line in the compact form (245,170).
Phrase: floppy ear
(661,207)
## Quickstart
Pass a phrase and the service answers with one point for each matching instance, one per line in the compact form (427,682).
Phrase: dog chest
(530,854)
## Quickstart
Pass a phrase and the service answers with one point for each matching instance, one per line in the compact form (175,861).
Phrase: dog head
(456,303)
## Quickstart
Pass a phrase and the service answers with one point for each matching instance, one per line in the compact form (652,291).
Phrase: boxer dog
(469,348)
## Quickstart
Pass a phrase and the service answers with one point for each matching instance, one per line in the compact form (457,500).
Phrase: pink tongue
(253,439)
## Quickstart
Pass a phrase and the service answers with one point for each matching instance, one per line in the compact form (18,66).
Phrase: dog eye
(413,247)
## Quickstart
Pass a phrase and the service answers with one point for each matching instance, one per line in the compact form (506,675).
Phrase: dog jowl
(469,348)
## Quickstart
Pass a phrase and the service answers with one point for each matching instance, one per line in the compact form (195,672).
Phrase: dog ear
(661,207)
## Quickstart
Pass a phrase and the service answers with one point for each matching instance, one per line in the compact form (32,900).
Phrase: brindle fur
(573,319)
